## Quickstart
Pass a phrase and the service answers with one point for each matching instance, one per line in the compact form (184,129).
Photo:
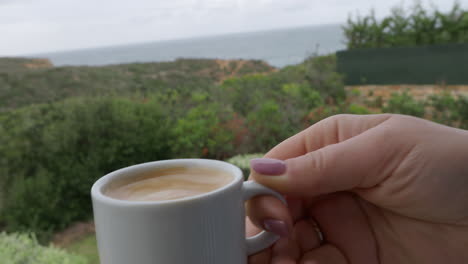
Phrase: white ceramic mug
(202,229)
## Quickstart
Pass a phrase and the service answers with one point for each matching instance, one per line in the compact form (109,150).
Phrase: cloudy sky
(36,26)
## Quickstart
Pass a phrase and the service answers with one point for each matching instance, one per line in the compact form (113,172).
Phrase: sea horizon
(278,47)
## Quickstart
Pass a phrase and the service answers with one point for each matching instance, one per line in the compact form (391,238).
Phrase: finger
(264,257)
(306,236)
(345,225)
(359,162)
(285,251)
(250,228)
(269,213)
(326,254)
(329,131)
(296,208)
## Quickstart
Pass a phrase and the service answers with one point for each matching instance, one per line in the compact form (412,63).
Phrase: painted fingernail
(276,226)
(268,166)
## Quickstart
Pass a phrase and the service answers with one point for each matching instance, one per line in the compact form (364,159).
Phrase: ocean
(277,47)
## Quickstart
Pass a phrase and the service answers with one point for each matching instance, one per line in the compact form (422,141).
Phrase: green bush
(272,107)
(405,104)
(302,96)
(322,75)
(53,153)
(449,110)
(444,108)
(245,92)
(243,162)
(24,249)
(463,111)
(202,132)
(358,109)
(268,126)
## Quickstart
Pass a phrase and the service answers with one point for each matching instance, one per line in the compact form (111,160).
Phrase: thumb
(359,162)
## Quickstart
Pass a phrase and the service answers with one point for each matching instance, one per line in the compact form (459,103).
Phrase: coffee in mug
(169,184)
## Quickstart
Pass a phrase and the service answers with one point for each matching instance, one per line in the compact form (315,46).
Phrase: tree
(417,27)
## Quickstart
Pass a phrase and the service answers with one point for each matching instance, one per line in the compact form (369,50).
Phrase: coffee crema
(169,184)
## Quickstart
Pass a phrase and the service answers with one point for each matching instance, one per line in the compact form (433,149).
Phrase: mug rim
(97,188)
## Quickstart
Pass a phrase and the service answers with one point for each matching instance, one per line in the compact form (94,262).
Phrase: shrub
(463,111)
(202,132)
(301,96)
(358,109)
(378,102)
(245,92)
(243,162)
(24,249)
(405,104)
(444,108)
(53,153)
(321,75)
(449,110)
(268,126)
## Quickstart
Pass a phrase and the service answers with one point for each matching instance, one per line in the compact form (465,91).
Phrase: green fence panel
(410,65)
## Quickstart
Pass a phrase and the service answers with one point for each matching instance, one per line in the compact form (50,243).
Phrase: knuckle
(317,160)
(309,171)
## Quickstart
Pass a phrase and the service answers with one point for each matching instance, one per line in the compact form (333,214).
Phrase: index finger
(328,131)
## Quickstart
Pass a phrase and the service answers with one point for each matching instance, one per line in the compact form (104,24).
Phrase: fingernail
(268,166)
(276,226)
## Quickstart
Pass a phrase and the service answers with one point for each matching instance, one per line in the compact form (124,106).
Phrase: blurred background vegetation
(64,127)
(415,46)
(415,27)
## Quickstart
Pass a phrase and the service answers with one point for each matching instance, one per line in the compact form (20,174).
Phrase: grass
(86,247)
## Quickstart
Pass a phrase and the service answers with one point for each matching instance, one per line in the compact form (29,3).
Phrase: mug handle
(264,239)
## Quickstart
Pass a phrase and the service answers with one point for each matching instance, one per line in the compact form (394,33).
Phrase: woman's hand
(381,188)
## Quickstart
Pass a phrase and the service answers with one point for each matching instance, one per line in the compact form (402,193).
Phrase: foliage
(53,153)
(358,109)
(449,110)
(10,65)
(85,247)
(24,249)
(23,87)
(446,108)
(415,28)
(243,161)
(405,104)
(322,76)
(202,132)
(265,123)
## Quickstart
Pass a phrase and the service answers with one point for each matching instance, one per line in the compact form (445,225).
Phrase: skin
(382,188)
